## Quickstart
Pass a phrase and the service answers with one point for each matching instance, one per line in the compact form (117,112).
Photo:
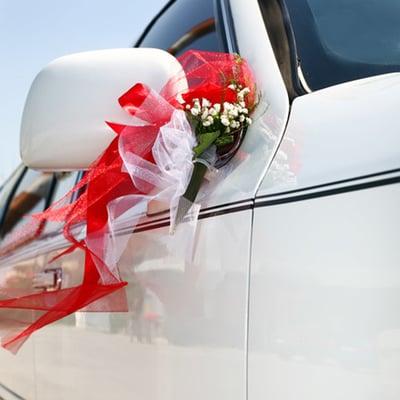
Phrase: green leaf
(205,141)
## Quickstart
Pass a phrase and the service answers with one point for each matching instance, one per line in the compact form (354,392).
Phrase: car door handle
(48,280)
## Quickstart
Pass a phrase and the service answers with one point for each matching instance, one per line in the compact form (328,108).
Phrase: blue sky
(35,32)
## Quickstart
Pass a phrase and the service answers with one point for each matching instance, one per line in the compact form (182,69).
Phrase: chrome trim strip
(334,188)
(58,242)
(342,182)
(228,28)
(302,79)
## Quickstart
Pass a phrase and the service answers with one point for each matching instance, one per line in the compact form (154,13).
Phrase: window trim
(223,14)
(294,82)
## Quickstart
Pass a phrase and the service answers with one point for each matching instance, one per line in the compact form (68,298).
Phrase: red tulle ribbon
(24,311)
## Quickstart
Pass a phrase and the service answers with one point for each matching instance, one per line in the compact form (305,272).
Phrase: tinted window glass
(7,188)
(65,181)
(343,40)
(186,24)
(30,197)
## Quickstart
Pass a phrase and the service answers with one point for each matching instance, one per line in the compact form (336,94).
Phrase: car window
(8,187)
(343,40)
(186,24)
(64,182)
(30,197)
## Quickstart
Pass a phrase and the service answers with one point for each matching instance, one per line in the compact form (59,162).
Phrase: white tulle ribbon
(168,177)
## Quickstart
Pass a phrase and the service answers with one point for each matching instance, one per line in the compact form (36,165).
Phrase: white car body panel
(17,374)
(190,339)
(325,283)
(344,131)
(324,298)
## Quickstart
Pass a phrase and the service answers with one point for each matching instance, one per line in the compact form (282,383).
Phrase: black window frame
(284,45)
(224,25)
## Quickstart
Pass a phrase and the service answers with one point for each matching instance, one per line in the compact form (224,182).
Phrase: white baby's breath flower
(205,103)
(217,107)
(227,130)
(242,104)
(232,86)
(206,123)
(205,114)
(233,124)
(227,106)
(249,121)
(224,120)
(195,111)
(233,112)
(242,118)
(210,119)
(245,110)
(213,111)
(187,106)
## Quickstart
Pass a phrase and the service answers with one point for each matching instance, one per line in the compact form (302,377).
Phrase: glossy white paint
(63,124)
(341,132)
(16,373)
(184,336)
(255,46)
(325,297)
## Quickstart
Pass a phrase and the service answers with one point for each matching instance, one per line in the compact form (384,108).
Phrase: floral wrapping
(149,161)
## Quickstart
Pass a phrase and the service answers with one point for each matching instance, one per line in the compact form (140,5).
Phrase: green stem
(199,170)
(189,197)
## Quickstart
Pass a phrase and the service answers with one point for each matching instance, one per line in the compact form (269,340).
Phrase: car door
(26,191)
(185,335)
(325,278)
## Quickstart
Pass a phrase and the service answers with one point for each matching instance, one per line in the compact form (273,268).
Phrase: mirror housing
(63,124)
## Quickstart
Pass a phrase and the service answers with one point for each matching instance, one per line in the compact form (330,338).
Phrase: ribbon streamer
(148,161)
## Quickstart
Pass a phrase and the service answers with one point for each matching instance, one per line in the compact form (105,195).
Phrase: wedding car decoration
(176,136)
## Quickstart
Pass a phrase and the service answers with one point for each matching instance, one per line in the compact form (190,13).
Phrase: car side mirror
(63,125)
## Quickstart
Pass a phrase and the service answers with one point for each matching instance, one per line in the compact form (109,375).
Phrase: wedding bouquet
(195,123)
(219,113)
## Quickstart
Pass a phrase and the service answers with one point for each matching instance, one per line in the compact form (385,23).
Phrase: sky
(35,32)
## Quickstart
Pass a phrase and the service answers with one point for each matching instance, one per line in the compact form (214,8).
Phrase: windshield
(343,40)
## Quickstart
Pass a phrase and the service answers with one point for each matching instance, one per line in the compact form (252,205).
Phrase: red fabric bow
(24,311)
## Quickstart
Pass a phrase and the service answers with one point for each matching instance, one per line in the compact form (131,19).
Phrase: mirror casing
(63,125)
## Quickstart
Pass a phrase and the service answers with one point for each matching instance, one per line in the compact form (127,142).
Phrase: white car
(294,288)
